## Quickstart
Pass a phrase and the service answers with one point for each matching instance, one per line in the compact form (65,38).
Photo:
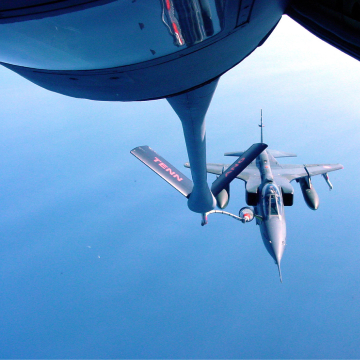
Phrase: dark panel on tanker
(336,22)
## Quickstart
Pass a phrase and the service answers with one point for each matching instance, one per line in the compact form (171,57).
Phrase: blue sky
(102,259)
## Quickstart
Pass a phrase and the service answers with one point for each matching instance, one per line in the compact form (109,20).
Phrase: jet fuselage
(270,209)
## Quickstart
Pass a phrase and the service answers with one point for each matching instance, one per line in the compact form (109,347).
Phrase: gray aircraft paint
(272,224)
(266,174)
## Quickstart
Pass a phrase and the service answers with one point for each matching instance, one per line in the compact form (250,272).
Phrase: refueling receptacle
(246,214)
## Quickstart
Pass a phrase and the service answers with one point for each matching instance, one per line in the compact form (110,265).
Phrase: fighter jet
(268,189)
(267,185)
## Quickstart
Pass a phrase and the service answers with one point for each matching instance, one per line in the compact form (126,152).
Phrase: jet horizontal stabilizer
(280,154)
(236,153)
(164,169)
(274,153)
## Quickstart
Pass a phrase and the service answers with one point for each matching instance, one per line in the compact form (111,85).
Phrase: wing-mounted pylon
(327,180)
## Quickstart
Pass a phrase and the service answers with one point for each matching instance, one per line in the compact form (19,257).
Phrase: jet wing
(293,172)
(290,172)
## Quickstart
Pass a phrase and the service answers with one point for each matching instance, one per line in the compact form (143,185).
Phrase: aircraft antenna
(261,126)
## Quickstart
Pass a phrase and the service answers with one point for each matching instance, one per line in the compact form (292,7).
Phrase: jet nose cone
(278,247)
(277,235)
(278,251)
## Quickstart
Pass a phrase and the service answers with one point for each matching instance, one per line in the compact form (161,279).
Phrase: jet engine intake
(251,198)
(288,198)
(246,214)
(310,195)
(287,191)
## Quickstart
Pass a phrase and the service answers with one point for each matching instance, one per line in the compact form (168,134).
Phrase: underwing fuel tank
(222,199)
(310,195)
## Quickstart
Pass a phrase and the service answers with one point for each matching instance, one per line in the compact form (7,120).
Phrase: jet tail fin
(164,169)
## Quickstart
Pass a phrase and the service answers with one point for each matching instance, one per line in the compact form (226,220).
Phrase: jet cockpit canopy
(273,205)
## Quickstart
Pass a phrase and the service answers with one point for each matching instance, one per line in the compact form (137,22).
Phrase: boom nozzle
(204,219)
